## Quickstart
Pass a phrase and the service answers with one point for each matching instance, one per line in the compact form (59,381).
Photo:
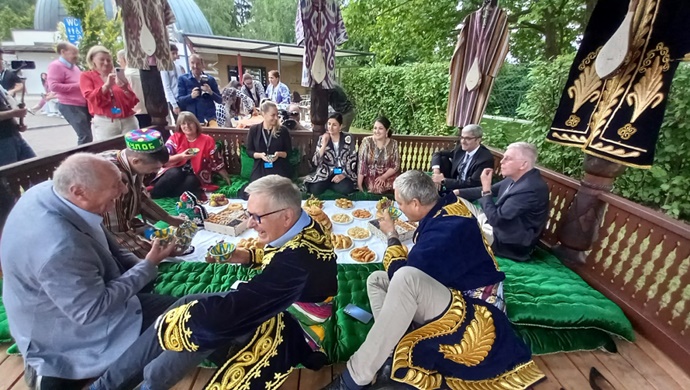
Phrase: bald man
(74,305)
(197,92)
(63,80)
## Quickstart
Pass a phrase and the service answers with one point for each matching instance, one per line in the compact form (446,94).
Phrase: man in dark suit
(462,166)
(520,212)
(9,79)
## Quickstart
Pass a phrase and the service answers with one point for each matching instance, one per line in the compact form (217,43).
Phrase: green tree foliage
(547,79)
(542,29)
(97,28)
(222,15)
(403,31)
(271,20)
(15,15)
(414,97)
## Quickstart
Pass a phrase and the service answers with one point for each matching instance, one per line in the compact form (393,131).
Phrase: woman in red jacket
(110,99)
(194,159)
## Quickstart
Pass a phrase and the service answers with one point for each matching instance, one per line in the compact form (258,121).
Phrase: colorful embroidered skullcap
(144,140)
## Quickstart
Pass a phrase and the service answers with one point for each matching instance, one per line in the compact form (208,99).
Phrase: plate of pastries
(344,203)
(319,216)
(359,233)
(250,243)
(362,214)
(341,219)
(341,242)
(363,255)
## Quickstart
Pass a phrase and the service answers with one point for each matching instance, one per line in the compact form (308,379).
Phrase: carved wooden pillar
(580,225)
(156,105)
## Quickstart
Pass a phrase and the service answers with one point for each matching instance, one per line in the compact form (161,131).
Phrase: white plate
(344,208)
(359,239)
(373,215)
(342,223)
(352,244)
(362,262)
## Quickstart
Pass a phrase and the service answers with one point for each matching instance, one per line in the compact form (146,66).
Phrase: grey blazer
(70,301)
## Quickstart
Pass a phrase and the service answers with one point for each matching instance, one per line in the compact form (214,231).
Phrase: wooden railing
(640,259)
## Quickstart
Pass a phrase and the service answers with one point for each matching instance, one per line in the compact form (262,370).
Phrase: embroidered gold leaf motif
(612,150)
(585,88)
(572,121)
(614,87)
(578,139)
(457,209)
(419,377)
(521,377)
(394,253)
(646,91)
(241,371)
(173,333)
(476,342)
(627,131)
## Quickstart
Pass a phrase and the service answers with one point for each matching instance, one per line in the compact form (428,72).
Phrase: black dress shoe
(383,379)
(337,384)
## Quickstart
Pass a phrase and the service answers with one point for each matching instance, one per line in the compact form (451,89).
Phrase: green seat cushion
(246,163)
(4,325)
(552,308)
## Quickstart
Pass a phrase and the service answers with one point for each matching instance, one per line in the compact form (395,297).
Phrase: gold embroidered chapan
(618,118)
(479,54)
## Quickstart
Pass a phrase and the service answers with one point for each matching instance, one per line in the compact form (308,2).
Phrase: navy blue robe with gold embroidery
(471,345)
(304,270)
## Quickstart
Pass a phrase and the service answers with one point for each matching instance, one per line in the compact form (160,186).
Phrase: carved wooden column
(580,226)
(318,112)
(156,105)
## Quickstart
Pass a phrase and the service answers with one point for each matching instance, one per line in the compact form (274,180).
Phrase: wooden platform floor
(638,366)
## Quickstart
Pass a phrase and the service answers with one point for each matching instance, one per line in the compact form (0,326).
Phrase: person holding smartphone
(335,160)
(194,159)
(268,143)
(109,96)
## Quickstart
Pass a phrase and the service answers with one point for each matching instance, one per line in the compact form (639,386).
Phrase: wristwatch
(486,193)
(392,234)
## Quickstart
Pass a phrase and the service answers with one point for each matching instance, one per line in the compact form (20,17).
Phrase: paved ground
(47,135)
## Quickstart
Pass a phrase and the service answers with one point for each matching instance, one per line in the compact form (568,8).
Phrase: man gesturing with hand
(73,296)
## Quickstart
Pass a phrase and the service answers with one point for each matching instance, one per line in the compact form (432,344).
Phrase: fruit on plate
(218,200)
(314,201)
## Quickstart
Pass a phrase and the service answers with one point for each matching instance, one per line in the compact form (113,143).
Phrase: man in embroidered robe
(274,322)
(145,154)
(453,296)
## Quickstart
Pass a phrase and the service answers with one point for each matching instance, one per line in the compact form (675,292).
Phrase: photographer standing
(198,92)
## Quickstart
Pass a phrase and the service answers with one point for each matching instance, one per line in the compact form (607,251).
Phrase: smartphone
(120,75)
(22,64)
(358,313)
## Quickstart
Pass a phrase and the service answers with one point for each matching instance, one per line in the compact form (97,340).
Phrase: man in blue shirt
(198,92)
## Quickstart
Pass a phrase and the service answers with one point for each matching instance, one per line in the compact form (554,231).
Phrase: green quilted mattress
(551,307)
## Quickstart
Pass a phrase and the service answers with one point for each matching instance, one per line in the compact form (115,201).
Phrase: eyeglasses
(508,159)
(468,138)
(257,218)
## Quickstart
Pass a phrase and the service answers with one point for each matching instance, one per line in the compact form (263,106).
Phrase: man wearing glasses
(462,166)
(266,326)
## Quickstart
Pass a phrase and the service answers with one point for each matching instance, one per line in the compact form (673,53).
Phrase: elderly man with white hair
(517,207)
(72,294)
(438,308)
(266,327)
